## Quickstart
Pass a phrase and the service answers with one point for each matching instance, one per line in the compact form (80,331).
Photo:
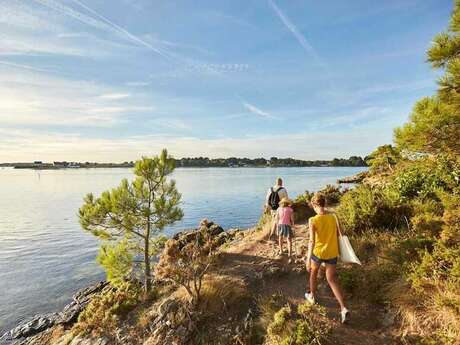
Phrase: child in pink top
(285,221)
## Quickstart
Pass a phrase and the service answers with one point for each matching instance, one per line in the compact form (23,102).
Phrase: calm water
(44,255)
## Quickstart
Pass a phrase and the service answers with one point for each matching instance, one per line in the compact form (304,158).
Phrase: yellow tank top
(326,241)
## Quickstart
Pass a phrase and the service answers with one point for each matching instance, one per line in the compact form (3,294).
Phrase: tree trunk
(147,277)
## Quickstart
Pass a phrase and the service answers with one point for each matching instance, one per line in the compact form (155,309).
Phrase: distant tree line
(353,161)
(203,162)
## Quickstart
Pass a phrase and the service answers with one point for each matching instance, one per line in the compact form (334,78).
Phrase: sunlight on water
(45,257)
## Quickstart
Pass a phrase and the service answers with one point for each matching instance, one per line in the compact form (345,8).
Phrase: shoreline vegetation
(201,162)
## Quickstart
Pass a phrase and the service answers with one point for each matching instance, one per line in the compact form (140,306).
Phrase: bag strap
(338,225)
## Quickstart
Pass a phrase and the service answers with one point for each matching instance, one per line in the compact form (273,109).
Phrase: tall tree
(137,211)
(434,125)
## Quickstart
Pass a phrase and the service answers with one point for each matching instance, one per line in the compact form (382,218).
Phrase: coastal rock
(358,178)
(69,314)
(69,339)
(171,323)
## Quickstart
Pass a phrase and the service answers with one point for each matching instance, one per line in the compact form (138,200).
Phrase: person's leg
(280,242)
(313,277)
(273,228)
(331,276)
(289,241)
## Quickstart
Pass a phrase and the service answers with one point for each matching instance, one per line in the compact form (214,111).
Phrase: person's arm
(311,242)
(277,216)
(292,218)
(267,199)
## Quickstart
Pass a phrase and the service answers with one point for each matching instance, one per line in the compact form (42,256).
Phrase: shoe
(309,297)
(345,315)
(290,261)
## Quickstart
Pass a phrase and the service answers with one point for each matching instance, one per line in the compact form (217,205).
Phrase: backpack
(274,199)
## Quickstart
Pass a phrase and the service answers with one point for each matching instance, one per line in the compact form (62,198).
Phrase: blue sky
(111,81)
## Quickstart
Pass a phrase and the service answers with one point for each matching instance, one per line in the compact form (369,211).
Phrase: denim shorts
(319,261)
(284,230)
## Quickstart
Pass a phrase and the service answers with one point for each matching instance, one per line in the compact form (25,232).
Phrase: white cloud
(257,111)
(115,96)
(137,83)
(18,145)
(30,98)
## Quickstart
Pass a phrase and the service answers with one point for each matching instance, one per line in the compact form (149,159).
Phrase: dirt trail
(252,258)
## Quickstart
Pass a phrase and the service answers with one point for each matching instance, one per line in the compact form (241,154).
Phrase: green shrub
(442,264)
(425,177)
(103,314)
(305,197)
(308,325)
(365,208)
(331,192)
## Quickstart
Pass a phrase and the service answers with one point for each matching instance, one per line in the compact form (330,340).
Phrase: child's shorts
(319,261)
(284,230)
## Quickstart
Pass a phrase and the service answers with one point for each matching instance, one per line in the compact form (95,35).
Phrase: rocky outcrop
(69,314)
(172,323)
(358,178)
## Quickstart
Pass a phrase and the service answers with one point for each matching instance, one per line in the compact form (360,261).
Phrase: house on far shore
(38,162)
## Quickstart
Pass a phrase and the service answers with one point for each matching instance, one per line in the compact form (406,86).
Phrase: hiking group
(323,240)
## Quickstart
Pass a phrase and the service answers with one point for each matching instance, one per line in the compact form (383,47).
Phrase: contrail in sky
(299,37)
(103,23)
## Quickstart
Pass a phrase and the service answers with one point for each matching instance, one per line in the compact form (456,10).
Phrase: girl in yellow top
(323,247)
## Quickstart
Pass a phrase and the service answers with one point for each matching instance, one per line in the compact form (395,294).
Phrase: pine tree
(135,212)
(434,125)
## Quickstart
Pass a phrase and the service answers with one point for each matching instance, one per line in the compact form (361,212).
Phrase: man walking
(272,200)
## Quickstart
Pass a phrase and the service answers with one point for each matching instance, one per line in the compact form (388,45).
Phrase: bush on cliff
(365,208)
(102,316)
(186,262)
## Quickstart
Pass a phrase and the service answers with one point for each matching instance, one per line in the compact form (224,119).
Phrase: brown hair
(319,200)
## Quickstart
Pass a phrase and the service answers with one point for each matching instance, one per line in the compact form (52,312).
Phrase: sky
(94,80)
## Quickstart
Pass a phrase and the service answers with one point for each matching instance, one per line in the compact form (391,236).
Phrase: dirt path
(252,258)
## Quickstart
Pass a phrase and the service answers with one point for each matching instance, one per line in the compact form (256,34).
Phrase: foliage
(105,311)
(135,212)
(434,125)
(432,129)
(365,208)
(117,260)
(307,325)
(185,263)
(443,262)
(331,192)
(353,161)
(424,178)
(304,197)
(383,159)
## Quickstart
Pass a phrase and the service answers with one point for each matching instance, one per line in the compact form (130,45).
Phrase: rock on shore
(69,314)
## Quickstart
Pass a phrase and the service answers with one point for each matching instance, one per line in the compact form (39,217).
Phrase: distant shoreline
(202,162)
(180,167)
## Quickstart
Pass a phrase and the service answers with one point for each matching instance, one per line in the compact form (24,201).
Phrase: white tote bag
(347,254)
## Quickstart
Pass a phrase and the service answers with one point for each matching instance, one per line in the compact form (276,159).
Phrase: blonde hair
(319,199)
(285,202)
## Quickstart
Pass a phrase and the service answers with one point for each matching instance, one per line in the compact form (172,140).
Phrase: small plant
(308,325)
(105,311)
(185,264)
